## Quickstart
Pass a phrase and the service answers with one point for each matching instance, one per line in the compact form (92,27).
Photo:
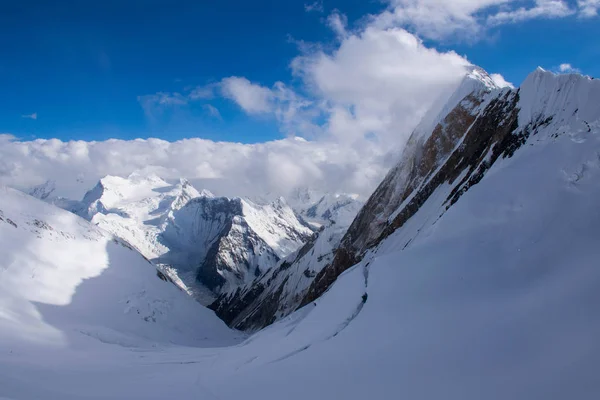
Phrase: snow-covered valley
(489,294)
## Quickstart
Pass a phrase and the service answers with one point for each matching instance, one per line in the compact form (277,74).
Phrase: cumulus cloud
(378,82)
(567,68)
(541,9)
(468,19)
(251,97)
(295,114)
(338,22)
(588,8)
(6,137)
(33,116)
(231,169)
(357,102)
(500,81)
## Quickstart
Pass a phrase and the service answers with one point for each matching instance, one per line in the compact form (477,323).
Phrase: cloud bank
(356,99)
(230,169)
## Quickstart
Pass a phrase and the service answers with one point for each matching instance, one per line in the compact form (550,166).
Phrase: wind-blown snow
(476,82)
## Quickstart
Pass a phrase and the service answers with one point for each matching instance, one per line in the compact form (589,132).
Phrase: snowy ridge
(199,240)
(338,208)
(571,100)
(44,190)
(482,129)
(476,83)
(486,286)
(428,148)
(277,224)
(136,208)
(279,291)
(47,290)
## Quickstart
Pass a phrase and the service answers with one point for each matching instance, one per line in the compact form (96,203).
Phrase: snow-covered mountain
(453,147)
(194,236)
(472,272)
(62,276)
(470,135)
(338,208)
(480,280)
(44,190)
(280,290)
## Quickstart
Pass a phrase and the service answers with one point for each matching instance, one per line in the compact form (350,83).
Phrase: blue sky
(81,67)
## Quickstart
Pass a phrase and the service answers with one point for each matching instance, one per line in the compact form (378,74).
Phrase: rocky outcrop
(203,241)
(280,290)
(231,241)
(484,127)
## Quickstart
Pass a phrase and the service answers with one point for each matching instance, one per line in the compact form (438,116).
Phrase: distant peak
(280,201)
(184,182)
(480,75)
(44,190)
(207,193)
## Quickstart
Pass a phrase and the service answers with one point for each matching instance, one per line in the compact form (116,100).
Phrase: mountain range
(470,272)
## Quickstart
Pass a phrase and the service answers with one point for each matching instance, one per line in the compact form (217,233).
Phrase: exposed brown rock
(441,159)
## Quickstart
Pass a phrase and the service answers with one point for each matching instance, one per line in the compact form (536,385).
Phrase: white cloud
(232,169)
(541,9)
(251,97)
(316,6)
(378,82)
(204,92)
(500,81)
(588,8)
(358,102)
(567,68)
(212,111)
(374,86)
(6,137)
(436,19)
(33,116)
(154,104)
(164,98)
(338,23)
(294,113)
(468,19)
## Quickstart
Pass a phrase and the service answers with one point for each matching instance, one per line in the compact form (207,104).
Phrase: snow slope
(496,298)
(485,127)
(62,276)
(194,236)
(279,291)
(136,208)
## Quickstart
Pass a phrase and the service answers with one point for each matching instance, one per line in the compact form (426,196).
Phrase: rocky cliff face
(278,291)
(487,125)
(200,241)
(248,240)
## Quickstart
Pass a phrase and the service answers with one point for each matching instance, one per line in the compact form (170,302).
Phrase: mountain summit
(200,240)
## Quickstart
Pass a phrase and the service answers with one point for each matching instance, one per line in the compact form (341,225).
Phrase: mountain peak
(572,98)
(476,82)
(44,190)
(478,74)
